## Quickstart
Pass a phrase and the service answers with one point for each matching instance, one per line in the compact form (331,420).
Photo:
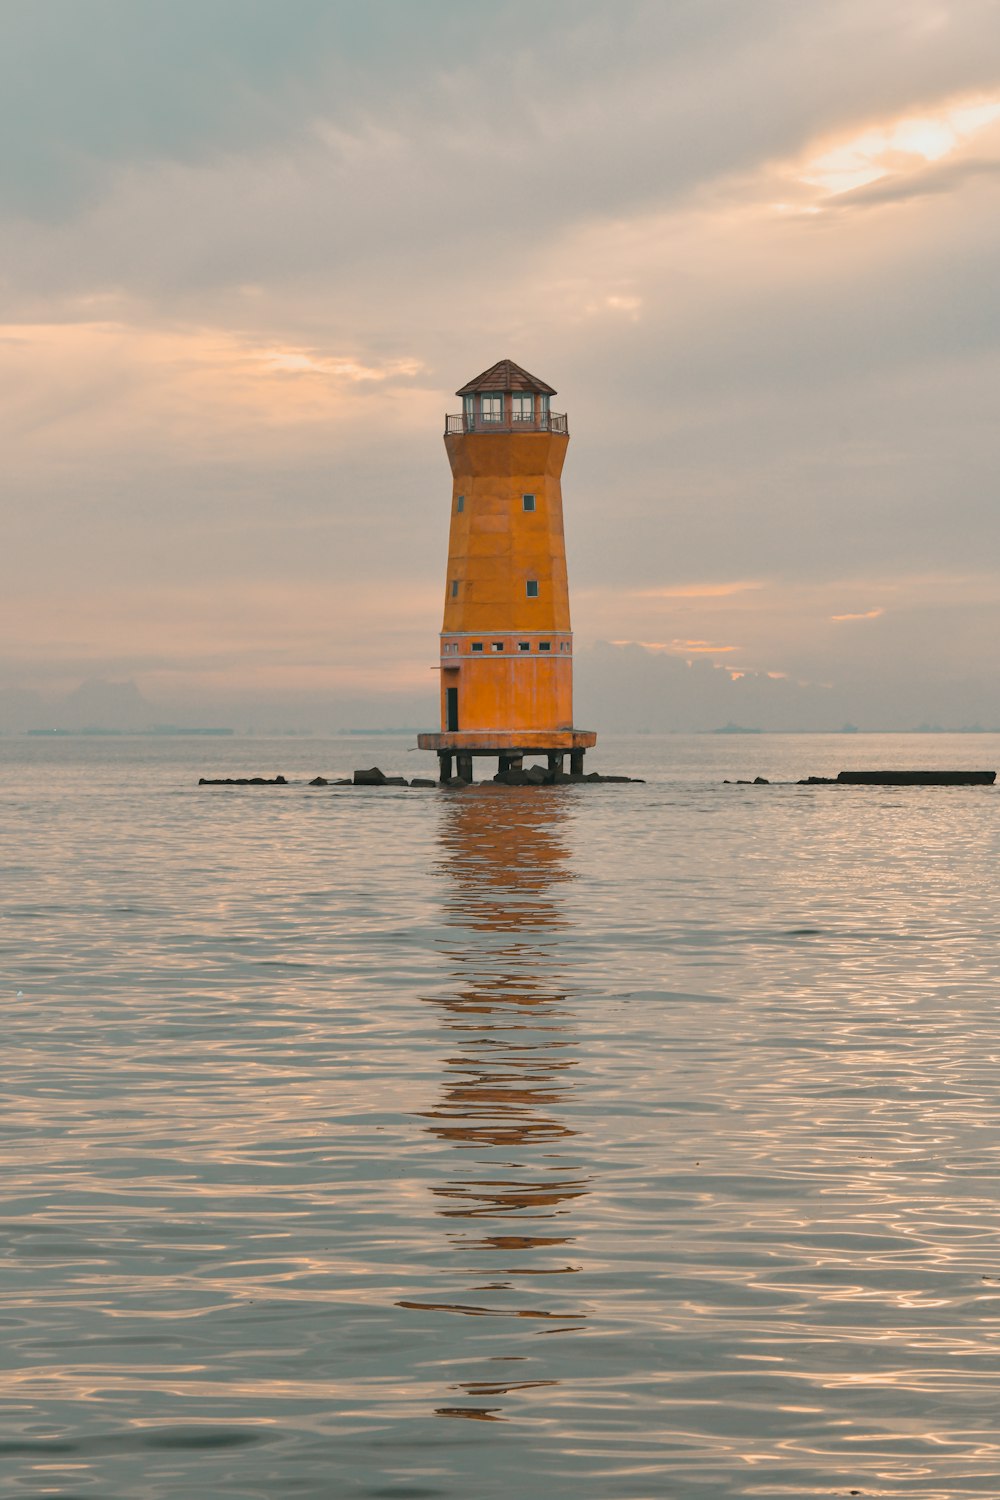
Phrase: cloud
(698,591)
(680,647)
(117,385)
(868,614)
(898,147)
(247,262)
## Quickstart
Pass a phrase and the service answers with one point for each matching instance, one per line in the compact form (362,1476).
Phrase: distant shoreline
(166,731)
(170,731)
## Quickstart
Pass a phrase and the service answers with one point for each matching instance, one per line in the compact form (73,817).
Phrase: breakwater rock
(903,778)
(916,778)
(373,776)
(242,781)
(883,778)
(539,776)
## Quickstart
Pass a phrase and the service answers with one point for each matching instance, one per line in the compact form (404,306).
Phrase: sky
(249,250)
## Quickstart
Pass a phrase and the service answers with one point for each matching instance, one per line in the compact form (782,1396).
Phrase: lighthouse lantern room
(506,641)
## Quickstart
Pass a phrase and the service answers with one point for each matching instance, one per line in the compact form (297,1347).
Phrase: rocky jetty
(373,776)
(882,778)
(903,778)
(916,778)
(539,776)
(242,781)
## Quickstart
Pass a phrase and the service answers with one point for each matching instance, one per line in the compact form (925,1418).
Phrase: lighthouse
(506,641)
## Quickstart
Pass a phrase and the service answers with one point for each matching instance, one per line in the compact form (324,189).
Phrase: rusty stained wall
(495,547)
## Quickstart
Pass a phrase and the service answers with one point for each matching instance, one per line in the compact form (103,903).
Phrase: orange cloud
(74,387)
(895,146)
(868,614)
(680,646)
(698,590)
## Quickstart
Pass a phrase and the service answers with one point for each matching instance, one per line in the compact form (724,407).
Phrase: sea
(610,1142)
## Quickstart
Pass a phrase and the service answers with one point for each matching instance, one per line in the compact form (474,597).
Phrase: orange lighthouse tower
(506,642)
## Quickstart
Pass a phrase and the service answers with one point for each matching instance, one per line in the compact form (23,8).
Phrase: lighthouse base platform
(510,746)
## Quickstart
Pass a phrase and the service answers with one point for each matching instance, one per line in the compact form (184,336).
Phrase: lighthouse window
(545,645)
(492,408)
(477,645)
(524,407)
(528,501)
(460,503)
(524,645)
(531,588)
(498,645)
(454,588)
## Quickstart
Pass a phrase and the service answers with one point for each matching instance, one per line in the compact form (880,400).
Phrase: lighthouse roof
(505,375)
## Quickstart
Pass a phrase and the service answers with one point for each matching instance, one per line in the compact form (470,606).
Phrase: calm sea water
(611,1143)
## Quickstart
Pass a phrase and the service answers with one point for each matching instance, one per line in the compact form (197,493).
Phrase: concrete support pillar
(464,766)
(555,759)
(576,762)
(444,760)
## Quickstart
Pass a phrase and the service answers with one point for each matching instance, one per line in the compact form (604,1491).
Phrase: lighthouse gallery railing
(551,421)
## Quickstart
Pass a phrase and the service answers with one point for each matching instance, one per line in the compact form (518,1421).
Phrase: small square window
(524,645)
(454,588)
(545,645)
(477,645)
(528,501)
(531,588)
(498,645)
(460,503)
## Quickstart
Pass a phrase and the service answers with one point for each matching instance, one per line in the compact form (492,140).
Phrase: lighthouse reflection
(504,1104)
(503,858)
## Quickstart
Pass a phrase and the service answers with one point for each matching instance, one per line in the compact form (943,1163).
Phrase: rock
(539,776)
(422,781)
(456,782)
(344,781)
(372,777)
(917,778)
(761,781)
(319,781)
(394,781)
(241,781)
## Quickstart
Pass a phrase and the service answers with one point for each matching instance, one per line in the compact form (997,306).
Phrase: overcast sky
(249,249)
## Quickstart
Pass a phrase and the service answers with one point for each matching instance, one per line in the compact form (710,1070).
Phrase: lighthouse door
(451,706)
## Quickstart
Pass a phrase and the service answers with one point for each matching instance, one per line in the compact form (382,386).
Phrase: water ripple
(568,1143)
